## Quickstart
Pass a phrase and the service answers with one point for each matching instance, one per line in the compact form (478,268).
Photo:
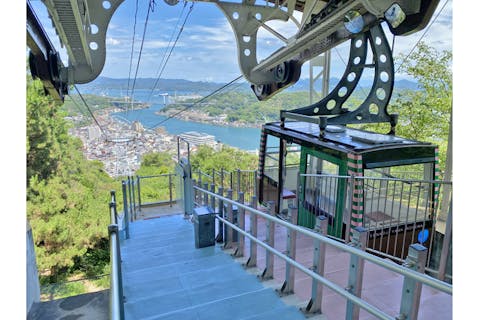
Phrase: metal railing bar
(376,178)
(157,175)
(429,281)
(338,289)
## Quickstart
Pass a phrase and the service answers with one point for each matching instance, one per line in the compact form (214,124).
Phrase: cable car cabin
(390,178)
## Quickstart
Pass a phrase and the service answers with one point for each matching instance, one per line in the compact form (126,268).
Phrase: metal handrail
(116,299)
(338,289)
(116,286)
(157,175)
(374,178)
(427,280)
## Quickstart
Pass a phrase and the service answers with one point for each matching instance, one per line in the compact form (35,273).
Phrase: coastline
(202,117)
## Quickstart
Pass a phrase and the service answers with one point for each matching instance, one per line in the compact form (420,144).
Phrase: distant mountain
(303,84)
(103,83)
(181,85)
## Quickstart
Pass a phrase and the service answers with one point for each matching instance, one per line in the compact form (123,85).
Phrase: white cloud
(113,42)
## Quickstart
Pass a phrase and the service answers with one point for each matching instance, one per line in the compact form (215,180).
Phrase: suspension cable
(132,48)
(198,101)
(150,8)
(163,65)
(91,113)
(422,36)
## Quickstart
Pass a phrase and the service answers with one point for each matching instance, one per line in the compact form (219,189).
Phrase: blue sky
(206,50)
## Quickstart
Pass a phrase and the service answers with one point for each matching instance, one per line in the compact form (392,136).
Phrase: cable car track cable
(150,9)
(132,49)
(422,36)
(163,65)
(197,102)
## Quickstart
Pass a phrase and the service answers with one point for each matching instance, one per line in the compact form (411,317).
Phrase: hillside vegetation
(67,196)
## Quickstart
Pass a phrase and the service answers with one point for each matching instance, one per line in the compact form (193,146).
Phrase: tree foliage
(67,195)
(425,114)
(230,159)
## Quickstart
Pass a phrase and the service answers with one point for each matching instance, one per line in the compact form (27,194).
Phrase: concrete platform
(83,307)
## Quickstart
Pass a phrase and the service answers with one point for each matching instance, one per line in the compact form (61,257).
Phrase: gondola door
(322,191)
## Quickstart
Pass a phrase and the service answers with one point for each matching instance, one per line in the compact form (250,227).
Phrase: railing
(144,191)
(411,270)
(116,286)
(395,213)
(238,181)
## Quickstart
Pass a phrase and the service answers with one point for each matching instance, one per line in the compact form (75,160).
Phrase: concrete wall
(33,285)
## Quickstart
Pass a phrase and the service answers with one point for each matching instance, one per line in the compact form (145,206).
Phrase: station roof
(341,140)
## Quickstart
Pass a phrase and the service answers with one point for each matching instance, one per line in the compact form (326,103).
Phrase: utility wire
(91,113)
(163,65)
(422,36)
(132,48)
(150,8)
(199,101)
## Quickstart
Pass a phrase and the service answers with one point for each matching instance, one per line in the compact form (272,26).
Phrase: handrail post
(356,269)
(314,304)
(445,245)
(170,186)
(129,200)
(347,232)
(288,284)
(133,196)
(205,196)
(195,192)
(139,192)
(411,291)
(125,210)
(241,224)
(229,216)
(253,247)
(269,269)
(212,201)
(113,213)
(220,236)
(238,181)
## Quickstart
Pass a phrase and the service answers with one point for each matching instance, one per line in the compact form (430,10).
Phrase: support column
(268,271)
(411,291)
(355,169)
(314,304)
(288,284)
(356,269)
(253,247)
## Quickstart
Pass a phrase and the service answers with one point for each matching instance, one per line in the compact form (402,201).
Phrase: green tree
(207,159)
(424,114)
(67,195)
(47,132)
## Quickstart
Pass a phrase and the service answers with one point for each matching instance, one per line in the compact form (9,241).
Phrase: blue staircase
(165,277)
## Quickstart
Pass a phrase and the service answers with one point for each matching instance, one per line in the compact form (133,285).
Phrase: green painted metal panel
(307,218)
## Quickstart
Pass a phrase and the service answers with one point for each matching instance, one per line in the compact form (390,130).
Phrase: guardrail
(395,212)
(144,191)
(244,181)
(411,270)
(116,311)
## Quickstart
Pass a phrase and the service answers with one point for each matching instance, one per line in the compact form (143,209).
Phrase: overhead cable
(163,65)
(150,8)
(422,36)
(132,48)
(199,101)
(91,113)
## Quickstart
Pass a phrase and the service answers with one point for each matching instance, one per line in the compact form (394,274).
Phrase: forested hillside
(67,196)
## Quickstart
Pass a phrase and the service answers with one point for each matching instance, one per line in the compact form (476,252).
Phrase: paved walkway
(165,277)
